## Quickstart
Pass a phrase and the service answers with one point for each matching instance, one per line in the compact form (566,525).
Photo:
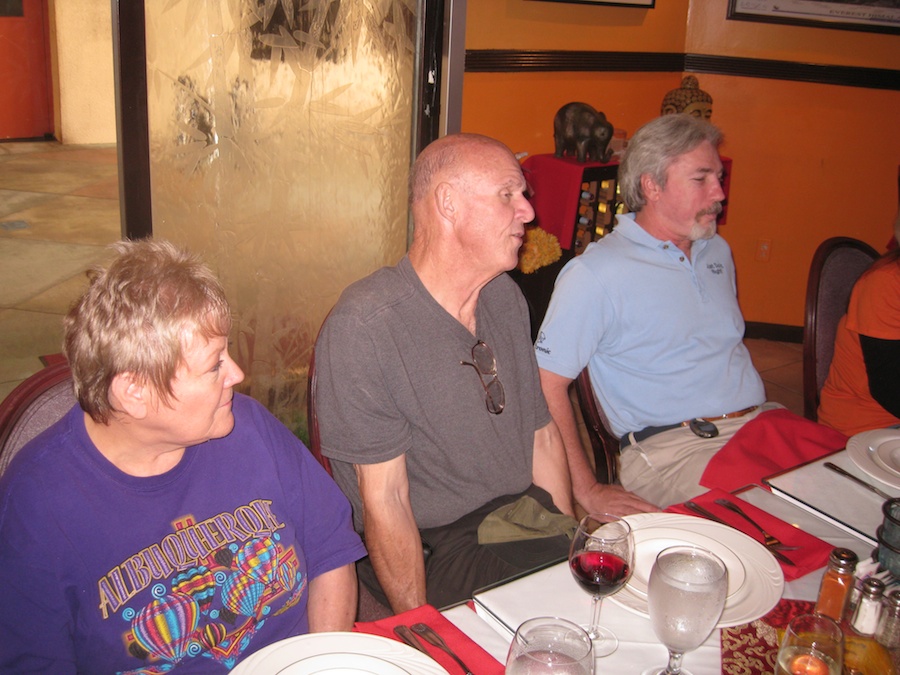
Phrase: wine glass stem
(596,602)
(674,665)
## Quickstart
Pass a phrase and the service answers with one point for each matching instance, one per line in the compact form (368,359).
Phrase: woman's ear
(130,395)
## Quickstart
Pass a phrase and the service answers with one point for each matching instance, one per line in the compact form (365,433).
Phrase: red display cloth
(812,554)
(473,655)
(555,184)
(751,648)
(771,442)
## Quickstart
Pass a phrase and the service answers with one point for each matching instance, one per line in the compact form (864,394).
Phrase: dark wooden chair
(603,442)
(837,264)
(35,404)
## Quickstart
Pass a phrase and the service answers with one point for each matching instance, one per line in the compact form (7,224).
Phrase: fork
(696,508)
(771,540)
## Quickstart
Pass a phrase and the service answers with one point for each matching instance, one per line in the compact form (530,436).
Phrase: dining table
(763,592)
(552,592)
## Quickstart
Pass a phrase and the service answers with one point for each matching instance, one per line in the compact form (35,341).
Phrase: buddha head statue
(689,98)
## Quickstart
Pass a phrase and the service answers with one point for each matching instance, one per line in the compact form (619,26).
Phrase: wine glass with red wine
(601,559)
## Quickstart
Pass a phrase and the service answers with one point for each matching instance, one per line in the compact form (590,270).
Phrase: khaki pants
(666,468)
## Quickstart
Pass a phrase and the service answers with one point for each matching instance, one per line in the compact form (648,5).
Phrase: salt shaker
(888,633)
(836,584)
(868,611)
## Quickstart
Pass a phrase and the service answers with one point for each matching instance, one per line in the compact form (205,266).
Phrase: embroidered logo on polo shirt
(716,268)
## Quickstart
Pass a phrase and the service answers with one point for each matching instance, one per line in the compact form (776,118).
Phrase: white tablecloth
(539,595)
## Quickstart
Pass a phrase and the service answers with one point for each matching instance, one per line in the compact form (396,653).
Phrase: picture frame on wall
(873,16)
(645,4)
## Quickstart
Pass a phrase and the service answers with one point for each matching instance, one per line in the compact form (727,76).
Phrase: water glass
(550,646)
(812,643)
(686,596)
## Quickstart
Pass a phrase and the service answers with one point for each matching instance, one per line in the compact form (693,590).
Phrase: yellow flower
(539,248)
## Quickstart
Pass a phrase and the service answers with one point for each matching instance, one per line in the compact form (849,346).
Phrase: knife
(696,508)
(858,481)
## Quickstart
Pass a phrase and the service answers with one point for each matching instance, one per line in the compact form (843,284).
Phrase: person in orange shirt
(862,391)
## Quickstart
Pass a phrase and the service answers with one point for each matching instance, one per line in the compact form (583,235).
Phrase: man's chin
(701,231)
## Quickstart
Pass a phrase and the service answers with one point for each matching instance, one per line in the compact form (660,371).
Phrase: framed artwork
(874,16)
(610,3)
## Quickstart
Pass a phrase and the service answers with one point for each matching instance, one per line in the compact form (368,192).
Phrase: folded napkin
(771,442)
(473,655)
(812,554)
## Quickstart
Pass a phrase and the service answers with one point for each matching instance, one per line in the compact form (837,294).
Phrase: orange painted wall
(810,161)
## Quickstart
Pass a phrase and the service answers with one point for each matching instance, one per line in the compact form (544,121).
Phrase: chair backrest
(604,444)
(836,265)
(34,405)
(312,419)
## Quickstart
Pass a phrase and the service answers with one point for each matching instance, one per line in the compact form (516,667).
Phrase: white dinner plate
(887,456)
(763,582)
(649,541)
(342,664)
(863,447)
(338,653)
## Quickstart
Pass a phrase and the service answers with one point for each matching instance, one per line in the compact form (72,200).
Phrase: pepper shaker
(888,633)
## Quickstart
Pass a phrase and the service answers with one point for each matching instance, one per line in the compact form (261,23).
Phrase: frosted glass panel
(280,145)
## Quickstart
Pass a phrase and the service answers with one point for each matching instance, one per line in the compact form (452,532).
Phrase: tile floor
(59,209)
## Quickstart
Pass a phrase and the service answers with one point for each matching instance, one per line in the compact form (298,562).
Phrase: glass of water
(549,645)
(686,596)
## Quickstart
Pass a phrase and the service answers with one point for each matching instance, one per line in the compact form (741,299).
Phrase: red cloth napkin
(812,554)
(473,655)
(771,442)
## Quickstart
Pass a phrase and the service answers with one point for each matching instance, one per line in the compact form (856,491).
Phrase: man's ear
(650,187)
(445,201)
(131,395)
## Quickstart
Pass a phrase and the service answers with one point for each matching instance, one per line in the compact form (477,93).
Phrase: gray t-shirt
(390,382)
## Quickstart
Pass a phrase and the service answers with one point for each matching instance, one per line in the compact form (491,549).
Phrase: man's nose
(527,210)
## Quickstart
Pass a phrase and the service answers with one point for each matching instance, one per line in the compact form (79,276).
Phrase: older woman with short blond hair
(166,522)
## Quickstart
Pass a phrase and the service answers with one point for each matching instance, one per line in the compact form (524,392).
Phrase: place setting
(339,653)
(877,454)
(418,642)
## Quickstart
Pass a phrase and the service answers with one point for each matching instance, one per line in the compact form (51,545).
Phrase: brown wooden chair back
(837,264)
(35,404)
(603,442)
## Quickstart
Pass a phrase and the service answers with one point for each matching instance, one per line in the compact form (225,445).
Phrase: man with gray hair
(651,311)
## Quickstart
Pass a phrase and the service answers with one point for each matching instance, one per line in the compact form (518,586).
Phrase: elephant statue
(581,130)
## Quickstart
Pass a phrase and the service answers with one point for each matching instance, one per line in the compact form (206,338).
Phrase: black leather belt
(647,432)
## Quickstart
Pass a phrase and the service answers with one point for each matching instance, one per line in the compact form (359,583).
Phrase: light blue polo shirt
(661,334)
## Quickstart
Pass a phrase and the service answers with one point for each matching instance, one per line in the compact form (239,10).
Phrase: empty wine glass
(550,646)
(601,559)
(686,595)
(812,643)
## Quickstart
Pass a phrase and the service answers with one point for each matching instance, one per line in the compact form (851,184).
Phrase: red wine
(599,572)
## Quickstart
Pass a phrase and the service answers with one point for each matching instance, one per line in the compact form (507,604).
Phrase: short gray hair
(653,149)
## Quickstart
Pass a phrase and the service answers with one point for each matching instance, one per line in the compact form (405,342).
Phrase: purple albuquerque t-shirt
(191,570)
